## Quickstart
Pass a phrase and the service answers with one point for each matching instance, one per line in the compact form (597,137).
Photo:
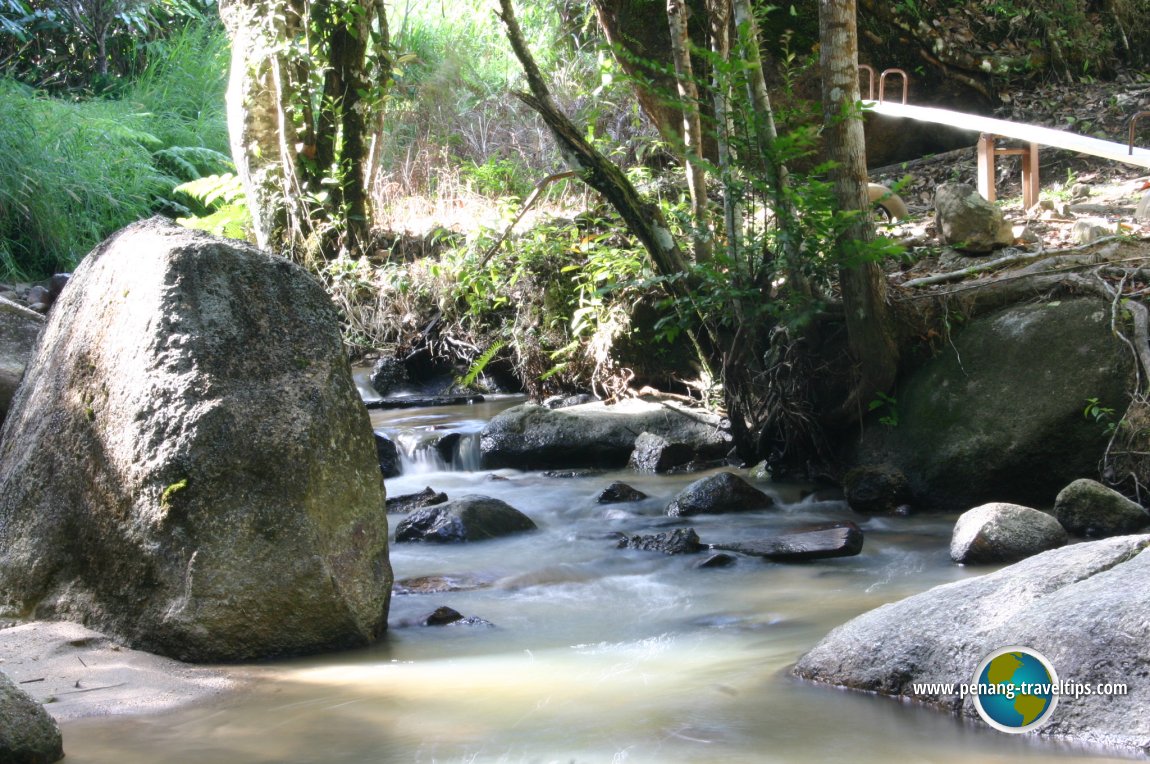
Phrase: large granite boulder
(1088,508)
(1000,532)
(19,328)
(998,416)
(596,434)
(1082,606)
(187,465)
(468,518)
(28,735)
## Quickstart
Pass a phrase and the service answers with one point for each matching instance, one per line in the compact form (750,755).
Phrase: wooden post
(1030,184)
(986,166)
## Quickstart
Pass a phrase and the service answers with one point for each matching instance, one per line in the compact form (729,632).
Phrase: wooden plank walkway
(991,129)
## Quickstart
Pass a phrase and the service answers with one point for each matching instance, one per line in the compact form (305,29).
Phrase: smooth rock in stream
(714,494)
(877,489)
(1000,532)
(187,465)
(388,455)
(595,434)
(1084,607)
(820,543)
(468,518)
(1088,508)
(28,734)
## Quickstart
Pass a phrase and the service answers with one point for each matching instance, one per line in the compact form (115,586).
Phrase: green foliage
(479,364)
(890,416)
(224,203)
(1101,415)
(74,171)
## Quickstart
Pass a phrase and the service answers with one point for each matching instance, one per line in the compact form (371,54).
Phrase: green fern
(480,363)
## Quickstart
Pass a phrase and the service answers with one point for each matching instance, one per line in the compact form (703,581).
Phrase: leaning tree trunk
(870,330)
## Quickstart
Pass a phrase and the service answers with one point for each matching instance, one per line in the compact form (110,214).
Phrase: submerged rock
(187,465)
(595,434)
(819,543)
(1001,532)
(28,734)
(678,541)
(1082,606)
(721,492)
(1088,508)
(468,518)
(388,374)
(407,502)
(717,560)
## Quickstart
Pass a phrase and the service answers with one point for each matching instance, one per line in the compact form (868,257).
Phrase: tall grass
(72,172)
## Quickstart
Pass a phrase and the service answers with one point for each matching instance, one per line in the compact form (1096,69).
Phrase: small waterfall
(422,451)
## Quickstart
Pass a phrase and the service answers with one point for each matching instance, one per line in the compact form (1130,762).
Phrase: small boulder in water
(654,453)
(388,455)
(678,541)
(468,518)
(819,543)
(619,492)
(876,489)
(28,735)
(387,375)
(1000,532)
(721,492)
(717,560)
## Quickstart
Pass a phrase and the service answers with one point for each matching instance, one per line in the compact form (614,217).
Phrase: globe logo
(1016,689)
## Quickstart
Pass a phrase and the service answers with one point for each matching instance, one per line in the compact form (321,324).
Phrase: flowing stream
(596,655)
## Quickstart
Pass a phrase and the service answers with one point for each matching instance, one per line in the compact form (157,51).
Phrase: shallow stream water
(596,655)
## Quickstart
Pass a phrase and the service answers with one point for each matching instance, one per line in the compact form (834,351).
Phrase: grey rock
(439,584)
(408,502)
(678,541)
(19,328)
(1000,532)
(968,222)
(819,543)
(618,493)
(388,456)
(442,616)
(654,453)
(1088,508)
(1082,606)
(876,489)
(28,734)
(595,434)
(998,416)
(566,401)
(468,518)
(387,375)
(187,465)
(714,494)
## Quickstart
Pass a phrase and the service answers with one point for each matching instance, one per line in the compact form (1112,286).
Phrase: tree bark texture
(692,129)
(870,330)
(301,103)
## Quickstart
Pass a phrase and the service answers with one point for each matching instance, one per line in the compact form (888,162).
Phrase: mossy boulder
(997,415)
(1088,508)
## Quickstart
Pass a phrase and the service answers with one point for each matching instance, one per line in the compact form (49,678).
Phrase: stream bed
(596,654)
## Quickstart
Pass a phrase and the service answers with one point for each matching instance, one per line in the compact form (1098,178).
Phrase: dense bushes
(74,170)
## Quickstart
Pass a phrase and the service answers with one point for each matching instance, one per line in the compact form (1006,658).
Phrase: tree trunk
(290,138)
(870,331)
(644,220)
(692,132)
